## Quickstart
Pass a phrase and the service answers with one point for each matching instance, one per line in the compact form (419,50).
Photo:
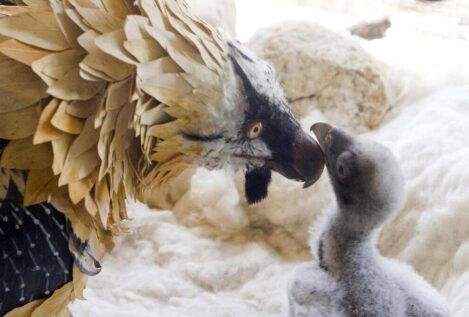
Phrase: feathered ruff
(96,95)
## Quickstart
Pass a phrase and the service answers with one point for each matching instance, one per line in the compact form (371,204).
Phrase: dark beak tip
(309,159)
(309,182)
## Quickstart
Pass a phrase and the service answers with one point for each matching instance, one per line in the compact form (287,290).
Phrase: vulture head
(255,130)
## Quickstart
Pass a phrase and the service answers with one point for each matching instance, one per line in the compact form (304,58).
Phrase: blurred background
(447,19)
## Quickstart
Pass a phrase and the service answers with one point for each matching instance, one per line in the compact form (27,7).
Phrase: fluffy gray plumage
(351,278)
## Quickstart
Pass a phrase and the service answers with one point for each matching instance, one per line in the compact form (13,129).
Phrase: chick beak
(321,130)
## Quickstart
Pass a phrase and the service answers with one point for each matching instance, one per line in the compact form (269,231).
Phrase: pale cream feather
(103,90)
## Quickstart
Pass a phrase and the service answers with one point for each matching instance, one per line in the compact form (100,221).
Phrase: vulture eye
(253,130)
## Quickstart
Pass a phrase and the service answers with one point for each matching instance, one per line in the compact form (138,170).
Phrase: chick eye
(345,166)
(253,130)
(341,170)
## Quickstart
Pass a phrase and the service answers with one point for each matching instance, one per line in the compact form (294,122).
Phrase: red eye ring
(253,130)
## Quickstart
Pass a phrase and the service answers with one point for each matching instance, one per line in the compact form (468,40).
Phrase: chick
(351,278)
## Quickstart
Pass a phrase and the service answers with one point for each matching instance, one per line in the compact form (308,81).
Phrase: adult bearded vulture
(103,99)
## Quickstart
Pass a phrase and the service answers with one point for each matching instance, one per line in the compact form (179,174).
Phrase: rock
(322,69)
(371,30)
(219,13)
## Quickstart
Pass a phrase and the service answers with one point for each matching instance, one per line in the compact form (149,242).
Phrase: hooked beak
(307,162)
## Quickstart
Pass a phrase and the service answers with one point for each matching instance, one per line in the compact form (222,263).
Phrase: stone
(324,70)
(371,30)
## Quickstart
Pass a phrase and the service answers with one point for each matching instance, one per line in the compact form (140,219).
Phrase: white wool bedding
(212,255)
